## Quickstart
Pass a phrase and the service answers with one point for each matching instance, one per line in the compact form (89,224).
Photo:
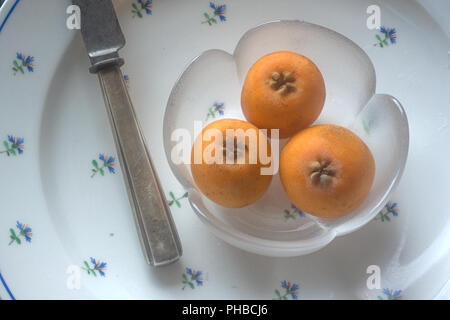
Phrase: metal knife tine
(101,32)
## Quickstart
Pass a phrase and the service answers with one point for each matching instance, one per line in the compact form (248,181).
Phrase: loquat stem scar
(283,83)
(322,173)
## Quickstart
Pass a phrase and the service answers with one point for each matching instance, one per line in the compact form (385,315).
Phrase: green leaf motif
(18,67)
(278,293)
(89,269)
(175,200)
(136,11)
(14,237)
(366,126)
(95,164)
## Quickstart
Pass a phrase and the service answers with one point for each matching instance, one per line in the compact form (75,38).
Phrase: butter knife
(103,39)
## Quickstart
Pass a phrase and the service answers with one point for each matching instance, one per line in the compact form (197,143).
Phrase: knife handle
(157,231)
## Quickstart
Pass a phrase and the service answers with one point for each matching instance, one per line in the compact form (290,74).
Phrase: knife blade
(103,38)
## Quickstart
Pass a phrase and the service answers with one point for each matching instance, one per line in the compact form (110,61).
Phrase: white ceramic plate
(58,110)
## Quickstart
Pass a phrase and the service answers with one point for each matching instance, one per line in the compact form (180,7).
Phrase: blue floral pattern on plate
(293,212)
(191,278)
(218,11)
(290,290)
(217,109)
(22,63)
(390,209)
(108,162)
(391,294)
(140,6)
(24,231)
(97,266)
(12,145)
(389,34)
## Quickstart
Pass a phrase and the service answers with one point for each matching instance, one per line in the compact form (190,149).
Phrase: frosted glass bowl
(271,226)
